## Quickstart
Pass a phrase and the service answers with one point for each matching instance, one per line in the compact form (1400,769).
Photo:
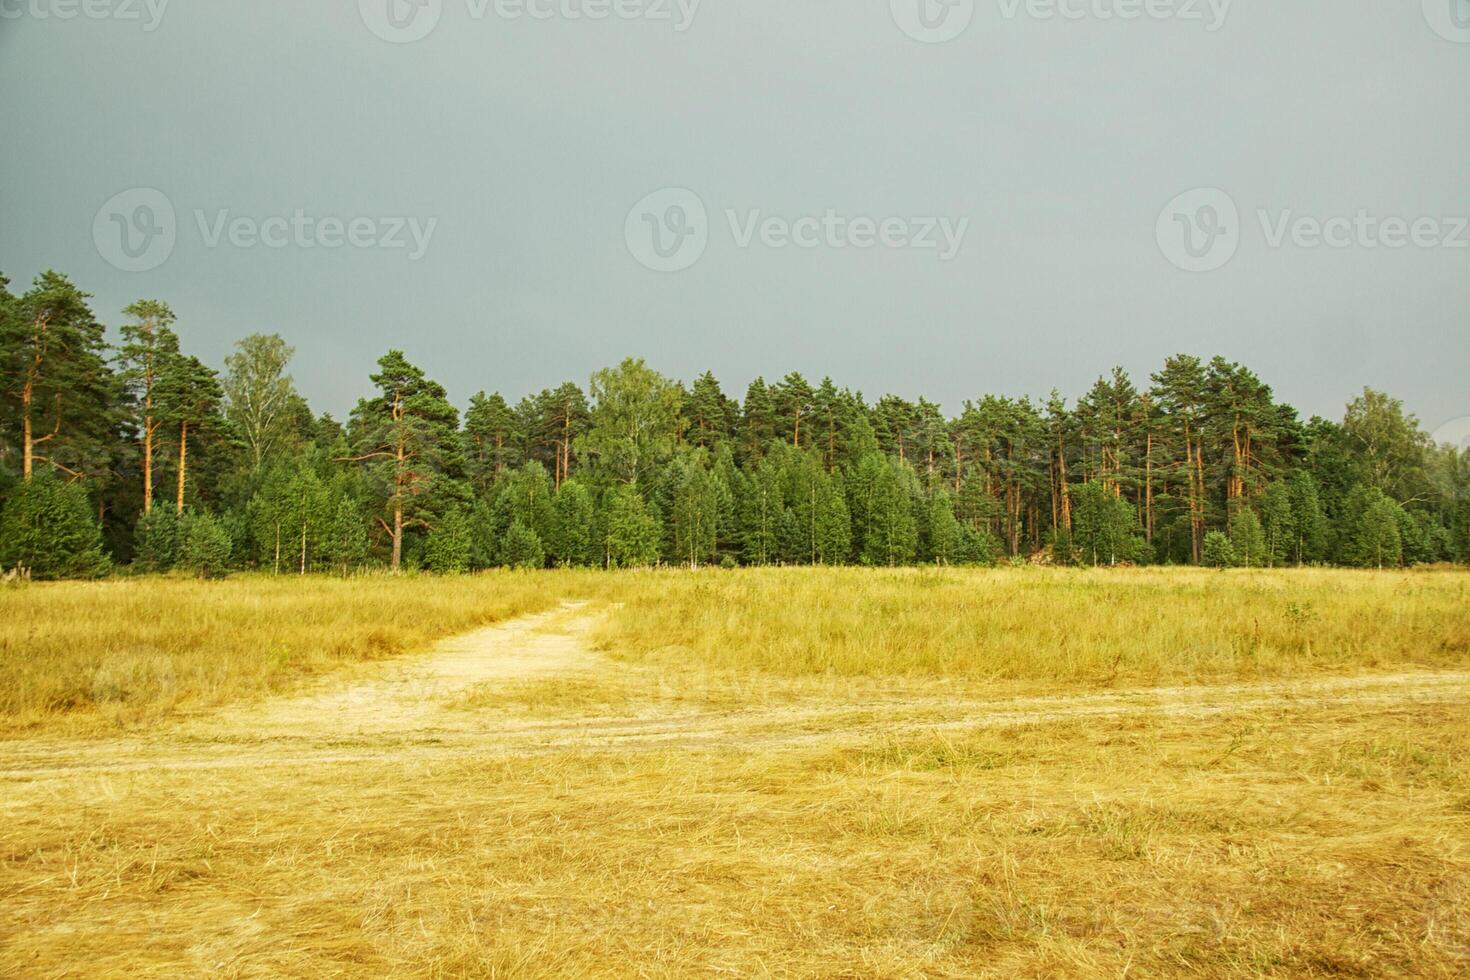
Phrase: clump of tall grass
(133,649)
(1138,625)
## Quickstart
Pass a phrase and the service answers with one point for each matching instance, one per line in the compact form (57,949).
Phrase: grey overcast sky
(1063,140)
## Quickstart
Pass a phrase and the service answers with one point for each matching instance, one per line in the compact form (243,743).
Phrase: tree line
(136,454)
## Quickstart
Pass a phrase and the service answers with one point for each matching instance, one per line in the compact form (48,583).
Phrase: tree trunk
(397,535)
(1148,490)
(28,394)
(183,462)
(30,448)
(147,464)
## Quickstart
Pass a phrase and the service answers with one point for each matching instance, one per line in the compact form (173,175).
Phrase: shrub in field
(522,547)
(449,544)
(205,545)
(1247,539)
(632,531)
(1219,552)
(1371,536)
(46,528)
(157,541)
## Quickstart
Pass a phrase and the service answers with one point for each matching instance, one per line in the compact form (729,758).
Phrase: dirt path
(411,698)
(401,716)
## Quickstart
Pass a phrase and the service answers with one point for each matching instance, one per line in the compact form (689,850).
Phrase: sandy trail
(411,698)
(401,717)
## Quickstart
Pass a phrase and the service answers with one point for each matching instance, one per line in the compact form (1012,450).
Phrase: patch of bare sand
(409,699)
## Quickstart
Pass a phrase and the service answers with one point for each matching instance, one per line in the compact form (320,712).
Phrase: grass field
(779,772)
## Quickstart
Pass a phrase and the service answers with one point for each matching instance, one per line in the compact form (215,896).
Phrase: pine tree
(943,544)
(709,412)
(572,542)
(1278,523)
(447,549)
(1308,521)
(1370,529)
(521,547)
(46,529)
(408,438)
(204,545)
(1247,539)
(58,398)
(890,535)
(148,350)
(1218,552)
(695,515)
(158,541)
(492,440)
(189,397)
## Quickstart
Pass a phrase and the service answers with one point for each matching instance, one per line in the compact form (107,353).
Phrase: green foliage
(158,541)
(631,539)
(204,545)
(1063,548)
(344,542)
(695,514)
(261,402)
(573,520)
(884,493)
(1371,529)
(1104,526)
(1308,522)
(449,544)
(1218,552)
(521,547)
(634,421)
(46,528)
(1278,523)
(944,544)
(637,469)
(1247,539)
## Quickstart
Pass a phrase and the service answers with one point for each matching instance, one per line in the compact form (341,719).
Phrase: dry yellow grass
(132,650)
(693,804)
(1134,625)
